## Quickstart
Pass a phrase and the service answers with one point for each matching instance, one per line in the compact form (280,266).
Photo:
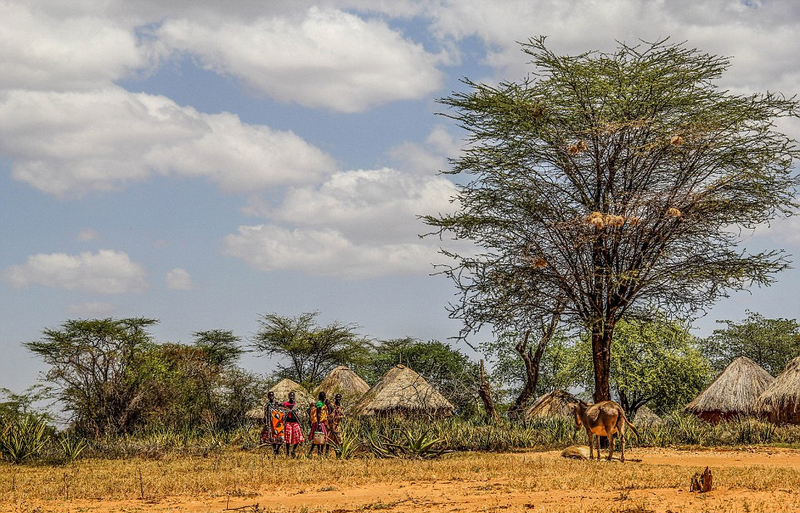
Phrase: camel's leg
(610,445)
(591,445)
(622,442)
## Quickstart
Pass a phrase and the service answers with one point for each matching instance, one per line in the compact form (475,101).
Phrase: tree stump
(701,481)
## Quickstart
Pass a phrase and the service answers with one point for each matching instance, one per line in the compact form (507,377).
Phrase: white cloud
(761,36)
(40,50)
(328,58)
(92,309)
(358,223)
(368,205)
(104,272)
(325,252)
(179,279)
(71,143)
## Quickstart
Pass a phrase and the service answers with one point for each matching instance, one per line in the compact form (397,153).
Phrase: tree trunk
(601,356)
(531,360)
(485,392)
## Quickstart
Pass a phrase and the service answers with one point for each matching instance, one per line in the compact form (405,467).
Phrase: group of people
(282,424)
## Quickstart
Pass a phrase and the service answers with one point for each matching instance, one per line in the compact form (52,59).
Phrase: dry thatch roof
(645,417)
(282,389)
(557,403)
(733,392)
(401,390)
(342,380)
(780,402)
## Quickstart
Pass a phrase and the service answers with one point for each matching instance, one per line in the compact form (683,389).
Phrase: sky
(205,163)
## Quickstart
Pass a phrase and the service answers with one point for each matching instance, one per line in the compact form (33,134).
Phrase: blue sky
(205,162)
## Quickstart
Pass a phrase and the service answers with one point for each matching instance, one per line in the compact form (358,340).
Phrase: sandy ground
(496,494)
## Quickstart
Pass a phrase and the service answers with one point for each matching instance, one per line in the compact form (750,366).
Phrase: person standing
(319,430)
(293,435)
(274,418)
(335,417)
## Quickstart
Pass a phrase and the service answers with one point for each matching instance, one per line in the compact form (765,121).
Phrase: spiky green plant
(22,439)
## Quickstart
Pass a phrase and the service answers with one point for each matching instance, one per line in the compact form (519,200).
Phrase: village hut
(780,402)
(282,389)
(402,391)
(733,392)
(557,403)
(342,380)
(646,417)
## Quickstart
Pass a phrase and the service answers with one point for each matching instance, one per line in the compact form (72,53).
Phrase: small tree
(613,181)
(95,366)
(771,343)
(311,350)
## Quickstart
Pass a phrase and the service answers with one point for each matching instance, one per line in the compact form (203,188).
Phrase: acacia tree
(612,181)
(96,366)
(311,350)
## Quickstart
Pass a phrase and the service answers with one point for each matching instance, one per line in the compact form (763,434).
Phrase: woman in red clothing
(293,435)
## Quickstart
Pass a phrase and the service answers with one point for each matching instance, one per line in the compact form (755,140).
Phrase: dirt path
(760,475)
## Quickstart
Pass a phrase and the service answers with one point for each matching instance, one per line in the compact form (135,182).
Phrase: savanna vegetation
(605,196)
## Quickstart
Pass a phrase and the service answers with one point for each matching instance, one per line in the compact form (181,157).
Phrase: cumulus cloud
(327,58)
(68,143)
(325,252)
(759,35)
(45,50)
(358,223)
(179,279)
(104,272)
(368,205)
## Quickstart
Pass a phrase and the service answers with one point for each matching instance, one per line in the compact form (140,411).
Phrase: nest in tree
(540,262)
(674,212)
(578,147)
(676,140)
(615,221)
(596,218)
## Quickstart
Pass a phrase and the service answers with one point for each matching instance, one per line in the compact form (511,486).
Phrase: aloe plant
(23,439)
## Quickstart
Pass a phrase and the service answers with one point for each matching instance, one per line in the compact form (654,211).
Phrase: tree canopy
(654,362)
(771,343)
(309,351)
(611,181)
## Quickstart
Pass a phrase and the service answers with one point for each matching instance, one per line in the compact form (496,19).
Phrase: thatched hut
(646,417)
(282,389)
(733,392)
(403,391)
(342,380)
(780,402)
(557,403)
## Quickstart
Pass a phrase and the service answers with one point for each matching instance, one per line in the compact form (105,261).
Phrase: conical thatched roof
(403,391)
(734,392)
(282,389)
(342,380)
(645,417)
(557,403)
(780,402)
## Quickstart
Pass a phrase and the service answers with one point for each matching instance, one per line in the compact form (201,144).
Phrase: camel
(605,418)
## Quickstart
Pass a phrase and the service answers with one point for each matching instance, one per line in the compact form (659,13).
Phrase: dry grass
(246,474)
